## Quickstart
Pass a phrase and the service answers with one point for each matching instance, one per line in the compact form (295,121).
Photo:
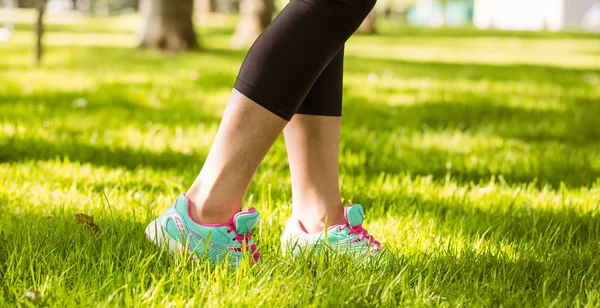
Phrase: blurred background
(534,15)
(473,89)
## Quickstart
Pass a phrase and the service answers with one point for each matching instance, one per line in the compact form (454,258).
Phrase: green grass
(475,154)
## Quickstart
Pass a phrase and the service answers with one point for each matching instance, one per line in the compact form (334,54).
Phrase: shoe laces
(244,240)
(363,234)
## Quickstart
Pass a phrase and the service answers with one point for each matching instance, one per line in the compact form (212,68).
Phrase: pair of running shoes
(231,242)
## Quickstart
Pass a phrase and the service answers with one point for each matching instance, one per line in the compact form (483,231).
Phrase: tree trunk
(39,32)
(368,25)
(256,16)
(168,25)
(206,6)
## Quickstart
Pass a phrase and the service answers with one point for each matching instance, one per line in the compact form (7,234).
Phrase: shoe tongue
(354,215)
(246,221)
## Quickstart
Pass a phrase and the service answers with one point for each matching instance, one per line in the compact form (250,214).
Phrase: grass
(475,154)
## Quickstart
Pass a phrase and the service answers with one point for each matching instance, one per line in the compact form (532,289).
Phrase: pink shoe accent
(346,214)
(180,227)
(336,226)
(363,234)
(189,208)
(244,240)
(361,231)
(301,225)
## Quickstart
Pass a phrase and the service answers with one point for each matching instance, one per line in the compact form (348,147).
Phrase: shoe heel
(159,237)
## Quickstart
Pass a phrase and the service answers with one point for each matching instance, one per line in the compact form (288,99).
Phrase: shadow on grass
(110,107)
(544,145)
(548,170)
(109,104)
(569,134)
(533,74)
(544,153)
(575,126)
(509,219)
(18,150)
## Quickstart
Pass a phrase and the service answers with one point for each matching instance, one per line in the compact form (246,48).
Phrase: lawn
(475,154)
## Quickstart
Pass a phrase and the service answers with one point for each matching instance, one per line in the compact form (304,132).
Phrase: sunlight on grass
(475,154)
(569,53)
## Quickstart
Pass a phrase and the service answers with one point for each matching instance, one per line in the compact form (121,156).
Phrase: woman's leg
(278,73)
(246,134)
(312,140)
(313,148)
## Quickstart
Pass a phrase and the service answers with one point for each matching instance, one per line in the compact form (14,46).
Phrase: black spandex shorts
(296,65)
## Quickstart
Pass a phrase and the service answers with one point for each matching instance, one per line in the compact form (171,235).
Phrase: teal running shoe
(177,231)
(350,238)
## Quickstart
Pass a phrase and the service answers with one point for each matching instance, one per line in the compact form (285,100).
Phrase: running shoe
(350,238)
(177,231)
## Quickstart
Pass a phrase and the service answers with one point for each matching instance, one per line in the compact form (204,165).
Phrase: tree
(368,25)
(206,6)
(168,25)
(39,32)
(256,16)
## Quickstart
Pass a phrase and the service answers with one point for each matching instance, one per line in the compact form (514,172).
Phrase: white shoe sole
(156,234)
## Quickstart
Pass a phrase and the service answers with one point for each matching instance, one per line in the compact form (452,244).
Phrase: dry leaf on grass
(86,220)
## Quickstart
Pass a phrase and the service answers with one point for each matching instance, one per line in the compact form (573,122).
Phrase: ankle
(317,219)
(205,211)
